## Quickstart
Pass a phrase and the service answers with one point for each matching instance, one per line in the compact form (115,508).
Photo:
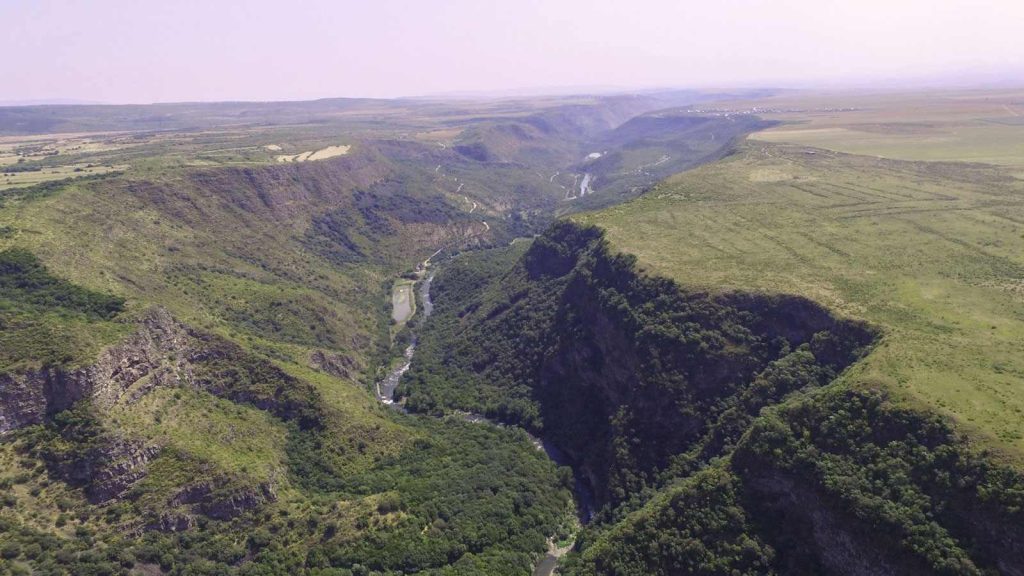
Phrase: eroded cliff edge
(713,427)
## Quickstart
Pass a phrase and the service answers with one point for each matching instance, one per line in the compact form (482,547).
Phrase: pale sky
(183,50)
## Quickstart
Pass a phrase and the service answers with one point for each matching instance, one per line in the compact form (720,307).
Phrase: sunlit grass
(932,254)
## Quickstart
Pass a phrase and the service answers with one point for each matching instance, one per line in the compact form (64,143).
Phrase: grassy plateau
(931,252)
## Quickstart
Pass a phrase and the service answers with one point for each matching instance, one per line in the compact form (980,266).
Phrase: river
(582,493)
(386,387)
(585,185)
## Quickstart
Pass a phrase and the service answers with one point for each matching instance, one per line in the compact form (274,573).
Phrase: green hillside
(932,253)
(186,355)
(703,421)
(198,301)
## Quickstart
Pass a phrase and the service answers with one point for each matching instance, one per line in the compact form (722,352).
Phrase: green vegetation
(188,347)
(446,505)
(902,489)
(651,147)
(931,253)
(27,286)
(535,346)
(46,320)
(697,473)
(953,126)
(696,527)
(230,430)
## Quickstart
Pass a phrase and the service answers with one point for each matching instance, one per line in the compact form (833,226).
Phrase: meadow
(932,253)
(984,126)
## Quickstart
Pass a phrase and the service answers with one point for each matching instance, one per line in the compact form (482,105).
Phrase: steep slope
(187,341)
(212,417)
(706,421)
(650,147)
(933,252)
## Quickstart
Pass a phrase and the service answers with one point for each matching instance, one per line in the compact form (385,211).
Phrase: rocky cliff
(162,352)
(705,422)
(158,353)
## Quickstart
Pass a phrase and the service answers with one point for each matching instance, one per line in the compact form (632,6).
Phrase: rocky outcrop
(159,353)
(26,398)
(172,522)
(337,365)
(77,449)
(125,463)
(219,498)
(222,499)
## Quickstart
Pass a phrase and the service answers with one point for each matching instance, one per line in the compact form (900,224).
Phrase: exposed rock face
(216,501)
(157,354)
(126,464)
(109,469)
(226,507)
(219,498)
(338,365)
(26,398)
(172,522)
(161,352)
(830,538)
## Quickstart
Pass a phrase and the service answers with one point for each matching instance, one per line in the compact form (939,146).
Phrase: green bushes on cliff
(627,373)
(26,285)
(46,320)
(698,526)
(713,428)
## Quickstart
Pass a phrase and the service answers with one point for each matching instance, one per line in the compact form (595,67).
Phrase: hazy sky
(174,50)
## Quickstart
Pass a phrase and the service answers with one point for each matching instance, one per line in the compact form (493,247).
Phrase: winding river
(582,493)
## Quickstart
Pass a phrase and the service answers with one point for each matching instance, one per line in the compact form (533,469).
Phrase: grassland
(967,126)
(22,179)
(933,253)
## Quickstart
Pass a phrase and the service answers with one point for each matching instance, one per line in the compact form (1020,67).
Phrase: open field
(31,178)
(403,302)
(321,154)
(969,126)
(933,253)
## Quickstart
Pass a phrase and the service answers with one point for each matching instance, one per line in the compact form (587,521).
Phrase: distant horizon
(879,86)
(124,52)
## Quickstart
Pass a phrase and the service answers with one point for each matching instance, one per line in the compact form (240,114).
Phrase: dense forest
(80,494)
(704,421)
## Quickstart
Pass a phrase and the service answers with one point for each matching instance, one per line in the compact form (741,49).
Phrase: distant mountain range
(50,102)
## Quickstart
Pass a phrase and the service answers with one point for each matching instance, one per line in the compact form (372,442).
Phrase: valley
(626,334)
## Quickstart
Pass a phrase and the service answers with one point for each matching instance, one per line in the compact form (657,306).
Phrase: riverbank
(385,389)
